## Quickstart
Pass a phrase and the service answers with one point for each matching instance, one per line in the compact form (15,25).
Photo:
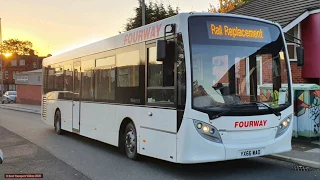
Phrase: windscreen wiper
(270,108)
(220,114)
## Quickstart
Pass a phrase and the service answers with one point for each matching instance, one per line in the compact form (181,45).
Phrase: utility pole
(143,12)
(1,64)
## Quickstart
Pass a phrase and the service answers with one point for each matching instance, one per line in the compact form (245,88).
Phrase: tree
(227,5)
(154,12)
(16,46)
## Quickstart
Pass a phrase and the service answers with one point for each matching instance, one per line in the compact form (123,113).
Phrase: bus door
(76,96)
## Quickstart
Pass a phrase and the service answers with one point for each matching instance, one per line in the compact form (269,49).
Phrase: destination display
(238,32)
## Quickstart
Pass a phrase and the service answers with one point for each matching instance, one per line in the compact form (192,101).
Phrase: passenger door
(76,96)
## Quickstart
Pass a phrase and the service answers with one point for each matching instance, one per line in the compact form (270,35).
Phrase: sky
(57,26)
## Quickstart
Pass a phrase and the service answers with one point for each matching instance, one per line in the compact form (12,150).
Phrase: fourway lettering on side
(142,35)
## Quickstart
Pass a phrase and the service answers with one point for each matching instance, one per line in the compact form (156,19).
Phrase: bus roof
(141,34)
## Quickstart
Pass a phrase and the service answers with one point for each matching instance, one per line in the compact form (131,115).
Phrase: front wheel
(57,123)
(130,142)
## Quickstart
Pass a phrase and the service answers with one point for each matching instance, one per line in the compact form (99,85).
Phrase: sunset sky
(60,25)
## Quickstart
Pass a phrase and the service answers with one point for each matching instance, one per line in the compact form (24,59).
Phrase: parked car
(9,97)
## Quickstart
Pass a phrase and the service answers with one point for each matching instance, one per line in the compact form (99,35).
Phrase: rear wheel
(130,142)
(57,122)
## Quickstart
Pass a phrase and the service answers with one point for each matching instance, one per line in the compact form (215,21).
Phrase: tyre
(130,142)
(57,122)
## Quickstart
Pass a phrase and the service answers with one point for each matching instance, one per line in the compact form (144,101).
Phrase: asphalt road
(24,157)
(101,161)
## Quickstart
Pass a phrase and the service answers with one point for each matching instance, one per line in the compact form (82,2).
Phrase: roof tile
(280,11)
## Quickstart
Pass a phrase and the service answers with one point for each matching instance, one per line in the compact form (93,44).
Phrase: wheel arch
(122,129)
(54,117)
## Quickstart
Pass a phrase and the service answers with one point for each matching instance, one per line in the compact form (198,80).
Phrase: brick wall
(29,94)
(296,72)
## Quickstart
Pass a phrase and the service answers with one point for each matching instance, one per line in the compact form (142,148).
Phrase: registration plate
(251,153)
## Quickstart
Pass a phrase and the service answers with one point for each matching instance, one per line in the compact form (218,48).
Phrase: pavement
(23,157)
(22,107)
(304,152)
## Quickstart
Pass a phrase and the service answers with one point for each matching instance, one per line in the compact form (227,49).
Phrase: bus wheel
(130,142)
(57,122)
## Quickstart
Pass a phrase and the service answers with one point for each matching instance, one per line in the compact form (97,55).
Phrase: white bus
(184,89)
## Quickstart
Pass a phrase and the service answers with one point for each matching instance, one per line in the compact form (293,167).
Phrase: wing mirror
(161,50)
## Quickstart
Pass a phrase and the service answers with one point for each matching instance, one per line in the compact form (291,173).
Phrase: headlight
(283,126)
(207,131)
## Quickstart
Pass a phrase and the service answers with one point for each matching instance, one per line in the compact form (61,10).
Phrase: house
(15,64)
(300,18)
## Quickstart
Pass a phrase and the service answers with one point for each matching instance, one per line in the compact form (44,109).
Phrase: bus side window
(160,88)
(155,69)
(68,80)
(181,70)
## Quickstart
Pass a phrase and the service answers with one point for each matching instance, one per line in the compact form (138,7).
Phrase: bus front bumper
(193,148)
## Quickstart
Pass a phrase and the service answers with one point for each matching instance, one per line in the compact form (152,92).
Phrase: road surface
(24,157)
(101,161)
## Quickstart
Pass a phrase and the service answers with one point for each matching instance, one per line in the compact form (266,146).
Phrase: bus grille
(44,107)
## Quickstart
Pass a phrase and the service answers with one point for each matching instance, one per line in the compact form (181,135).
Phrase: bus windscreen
(232,58)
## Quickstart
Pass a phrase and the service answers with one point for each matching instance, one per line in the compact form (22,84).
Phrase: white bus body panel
(51,106)
(76,115)
(202,150)
(65,108)
(117,41)
(234,140)
(98,122)
(102,122)
(157,134)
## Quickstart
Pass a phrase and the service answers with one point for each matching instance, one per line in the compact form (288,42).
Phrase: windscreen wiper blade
(270,108)
(220,114)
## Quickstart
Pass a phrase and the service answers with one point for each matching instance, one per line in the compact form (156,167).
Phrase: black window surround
(130,96)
